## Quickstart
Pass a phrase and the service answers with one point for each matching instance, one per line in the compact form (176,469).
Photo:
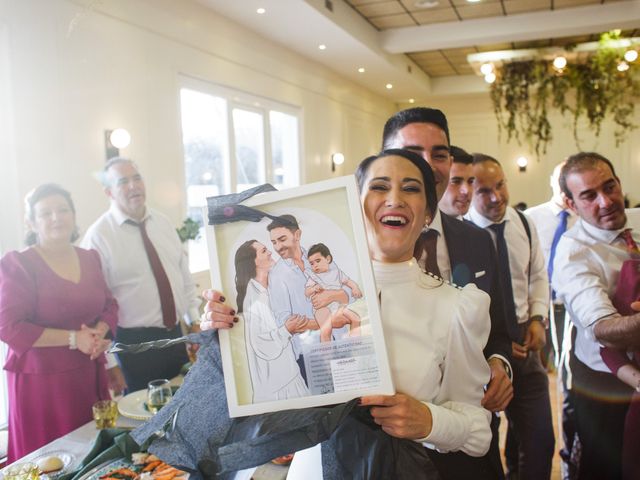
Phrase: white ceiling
(352,42)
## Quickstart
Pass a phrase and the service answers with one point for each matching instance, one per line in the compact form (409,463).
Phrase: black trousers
(600,401)
(529,415)
(140,368)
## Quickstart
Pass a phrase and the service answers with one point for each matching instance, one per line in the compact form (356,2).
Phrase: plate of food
(55,463)
(142,466)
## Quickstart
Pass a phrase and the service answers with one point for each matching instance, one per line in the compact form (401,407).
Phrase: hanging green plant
(525,91)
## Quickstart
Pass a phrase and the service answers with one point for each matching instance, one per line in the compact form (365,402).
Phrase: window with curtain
(233,141)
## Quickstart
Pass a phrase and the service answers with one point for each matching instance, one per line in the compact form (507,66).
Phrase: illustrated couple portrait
(287,303)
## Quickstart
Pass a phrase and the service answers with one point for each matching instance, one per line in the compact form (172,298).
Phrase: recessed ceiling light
(260,11)
(474,1)
(426,3)
(631,55)
(322,46)
(412,100)
(389,86)
(361,70)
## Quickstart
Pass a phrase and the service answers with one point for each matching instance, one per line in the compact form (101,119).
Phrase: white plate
(68,462)
(132,406)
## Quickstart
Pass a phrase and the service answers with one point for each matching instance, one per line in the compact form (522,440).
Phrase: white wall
(77,67)
(473,126)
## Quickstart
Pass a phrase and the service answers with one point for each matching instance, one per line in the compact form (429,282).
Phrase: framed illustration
(298,274)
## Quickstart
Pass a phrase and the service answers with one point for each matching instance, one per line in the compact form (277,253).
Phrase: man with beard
(587,268)
(287,282)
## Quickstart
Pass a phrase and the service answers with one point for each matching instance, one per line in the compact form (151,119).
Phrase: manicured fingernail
(233,312)
(231,326)
(222,299)
(236,319)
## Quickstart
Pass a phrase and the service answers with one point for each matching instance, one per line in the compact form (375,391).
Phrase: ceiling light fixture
(322,46)
(412,100)
(426,3)
(389,86)
(486,68)
(559,62)
(260,11)
(623,66)
(490,77)
(474,1)
(631,55)
(361,70)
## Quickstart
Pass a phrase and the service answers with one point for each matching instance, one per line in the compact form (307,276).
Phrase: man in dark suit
(463,254)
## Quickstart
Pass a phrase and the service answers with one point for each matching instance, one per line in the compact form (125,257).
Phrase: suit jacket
(471,252)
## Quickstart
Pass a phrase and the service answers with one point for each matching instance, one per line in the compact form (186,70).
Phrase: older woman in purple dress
(55,312)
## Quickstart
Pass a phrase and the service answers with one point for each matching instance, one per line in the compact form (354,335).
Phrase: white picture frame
(340,363)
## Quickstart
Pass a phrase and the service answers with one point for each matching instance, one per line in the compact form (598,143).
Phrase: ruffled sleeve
(459,422)
(18,298)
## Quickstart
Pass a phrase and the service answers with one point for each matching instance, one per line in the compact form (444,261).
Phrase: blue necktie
(505,277)
(560,229)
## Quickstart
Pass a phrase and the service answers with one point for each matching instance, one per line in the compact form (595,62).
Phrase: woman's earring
(427,221)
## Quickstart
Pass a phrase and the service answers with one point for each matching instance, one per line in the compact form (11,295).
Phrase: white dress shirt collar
(482,221)
(604,236)
(121,217)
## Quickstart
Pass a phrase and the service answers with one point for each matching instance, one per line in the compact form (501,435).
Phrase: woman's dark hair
(245,263)
(37,194)
(427,174)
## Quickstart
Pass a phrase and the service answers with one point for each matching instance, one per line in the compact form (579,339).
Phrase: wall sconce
(114,140)
(522,163)
(336,159)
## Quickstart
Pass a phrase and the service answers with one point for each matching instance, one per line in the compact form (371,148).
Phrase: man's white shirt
(586,270)
(127,269)
(528,270)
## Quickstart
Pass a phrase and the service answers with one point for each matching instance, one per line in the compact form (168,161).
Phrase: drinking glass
(22,471)
(158,394)
(105,413)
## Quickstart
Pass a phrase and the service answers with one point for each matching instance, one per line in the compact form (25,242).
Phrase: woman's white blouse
(435,334)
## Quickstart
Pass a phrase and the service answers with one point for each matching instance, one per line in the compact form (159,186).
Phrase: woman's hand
(90,342)
(400,415)
(216,313)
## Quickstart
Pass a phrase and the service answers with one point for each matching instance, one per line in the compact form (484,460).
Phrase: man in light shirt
(586,269)
(457,197)
(526,290)
(129,271)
